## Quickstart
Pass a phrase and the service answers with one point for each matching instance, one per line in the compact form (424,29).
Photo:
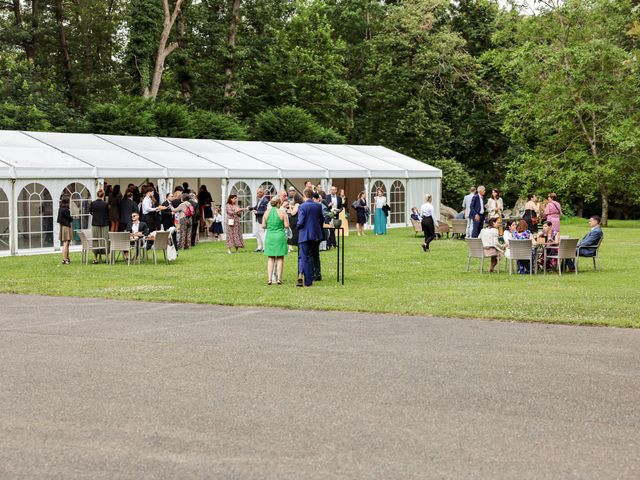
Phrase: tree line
(527,100)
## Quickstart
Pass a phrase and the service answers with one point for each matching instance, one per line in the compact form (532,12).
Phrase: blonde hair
(276,202)
(428,197)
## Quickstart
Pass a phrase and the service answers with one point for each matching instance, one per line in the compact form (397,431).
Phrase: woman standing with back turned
(275,243)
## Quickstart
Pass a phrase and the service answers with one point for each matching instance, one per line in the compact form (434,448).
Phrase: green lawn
(383,274)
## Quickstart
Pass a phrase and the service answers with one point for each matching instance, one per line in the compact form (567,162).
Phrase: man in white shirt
(466,205)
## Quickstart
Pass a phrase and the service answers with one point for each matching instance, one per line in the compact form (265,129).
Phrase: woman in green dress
(275,222)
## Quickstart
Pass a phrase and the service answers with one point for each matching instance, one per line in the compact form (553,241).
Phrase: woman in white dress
(491,243)
(380,218)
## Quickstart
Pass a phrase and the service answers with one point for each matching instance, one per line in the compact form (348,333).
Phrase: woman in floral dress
(234,227)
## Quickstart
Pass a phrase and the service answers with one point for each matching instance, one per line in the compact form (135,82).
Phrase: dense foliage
(525,100)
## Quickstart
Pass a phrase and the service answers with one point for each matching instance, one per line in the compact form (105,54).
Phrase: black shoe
(424,247)
(299,284)
(317,279)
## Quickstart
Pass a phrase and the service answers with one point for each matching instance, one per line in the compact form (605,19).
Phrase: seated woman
(522,233)
(550,238)
(508,235)
(490,242)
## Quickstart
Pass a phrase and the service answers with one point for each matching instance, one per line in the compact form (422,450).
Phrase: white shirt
(426,210)
(380,202)
(134,227)
(489,237)
(217,219)
(147,205)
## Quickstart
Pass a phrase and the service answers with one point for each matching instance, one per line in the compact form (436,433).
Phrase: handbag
(172,254)
(231,222)
(289,233)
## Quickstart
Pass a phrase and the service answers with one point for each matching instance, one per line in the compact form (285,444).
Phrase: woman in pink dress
(552,211)
(234,227)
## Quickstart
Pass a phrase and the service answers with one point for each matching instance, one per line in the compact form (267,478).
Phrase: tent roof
(177,161)
(79,155)
(29,158)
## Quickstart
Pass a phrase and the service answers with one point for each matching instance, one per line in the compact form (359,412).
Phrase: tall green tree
(570,100)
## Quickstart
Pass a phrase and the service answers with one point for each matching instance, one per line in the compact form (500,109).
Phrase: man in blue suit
(310,234)
(476,212)
(587,246)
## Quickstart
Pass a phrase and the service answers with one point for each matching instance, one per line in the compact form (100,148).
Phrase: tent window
(397,202)
(35,217)
(372,197)
(243,192)
(269,189)
(79,201)
(4,221)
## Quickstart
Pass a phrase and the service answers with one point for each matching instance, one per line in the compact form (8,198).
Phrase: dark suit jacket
(142,227)
(99,209)
(127,207)
(587,246)
(476,206)
(310,222)
(261,208)
(338,204)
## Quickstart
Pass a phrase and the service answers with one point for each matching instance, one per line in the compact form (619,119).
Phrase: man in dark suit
(127,207)
(309,236)
(476,212)
(587,246)
(334,202)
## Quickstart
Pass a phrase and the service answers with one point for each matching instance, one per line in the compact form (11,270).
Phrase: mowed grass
(383,274)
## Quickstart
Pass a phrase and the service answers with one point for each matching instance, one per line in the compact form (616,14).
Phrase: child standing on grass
(66,230)
(216,226)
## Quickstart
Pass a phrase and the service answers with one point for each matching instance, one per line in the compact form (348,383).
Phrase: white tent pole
(13,219)
(223,199)
(367,197)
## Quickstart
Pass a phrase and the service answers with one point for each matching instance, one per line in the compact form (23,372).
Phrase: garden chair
(596,267)
(521,250)
(119,242)
(476,250)
(565,250)
(417,227)
(458,227)
(442,228)
(161,243)
(90,244)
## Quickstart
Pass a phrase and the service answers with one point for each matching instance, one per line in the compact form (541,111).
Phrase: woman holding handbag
(379,215)
(234,227)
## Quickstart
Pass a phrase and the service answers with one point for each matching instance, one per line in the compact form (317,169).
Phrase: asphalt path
(100,389)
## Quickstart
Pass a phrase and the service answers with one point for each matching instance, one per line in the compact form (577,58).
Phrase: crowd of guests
(288,221)
(138,211)
(540,223)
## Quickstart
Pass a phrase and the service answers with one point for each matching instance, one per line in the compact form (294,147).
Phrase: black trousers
(429,230)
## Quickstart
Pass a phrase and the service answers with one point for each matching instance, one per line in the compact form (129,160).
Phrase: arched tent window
(243,192)
(4,221)
(397,202)
(372,196)
(79,201)
(270,189)
(35,217)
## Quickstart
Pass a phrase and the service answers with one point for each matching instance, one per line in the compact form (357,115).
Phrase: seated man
(587,246)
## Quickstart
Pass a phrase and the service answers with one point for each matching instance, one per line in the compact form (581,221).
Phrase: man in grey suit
(466,206)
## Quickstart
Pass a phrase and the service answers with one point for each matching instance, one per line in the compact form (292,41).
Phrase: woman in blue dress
(379,216)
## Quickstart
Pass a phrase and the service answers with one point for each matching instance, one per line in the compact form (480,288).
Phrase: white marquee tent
(37,169)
